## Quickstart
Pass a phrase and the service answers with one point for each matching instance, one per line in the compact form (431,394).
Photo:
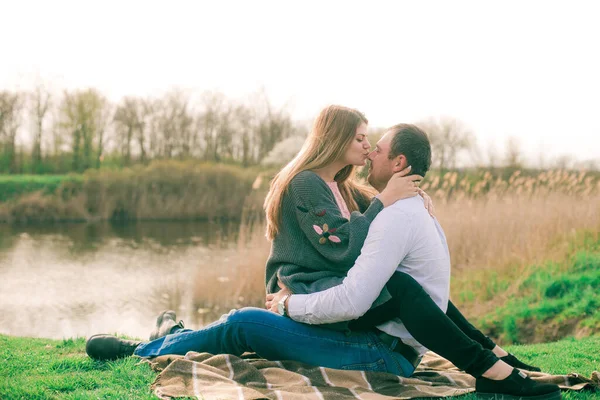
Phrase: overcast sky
(527,69)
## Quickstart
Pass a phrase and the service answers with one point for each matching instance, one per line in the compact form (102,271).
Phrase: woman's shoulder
(307,180)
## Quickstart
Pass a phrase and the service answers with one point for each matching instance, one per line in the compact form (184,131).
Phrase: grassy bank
(16,186)
(553,299)
(161,190)
(50,369)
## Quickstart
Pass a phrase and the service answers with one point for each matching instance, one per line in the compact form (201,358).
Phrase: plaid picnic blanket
(207,376)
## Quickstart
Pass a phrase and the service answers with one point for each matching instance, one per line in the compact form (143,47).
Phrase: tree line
(41,132)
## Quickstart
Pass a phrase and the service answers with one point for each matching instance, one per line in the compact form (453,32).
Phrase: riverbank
(51,369)
(189,190)
(163,190)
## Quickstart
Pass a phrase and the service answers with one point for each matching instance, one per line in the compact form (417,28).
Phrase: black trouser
(448,334)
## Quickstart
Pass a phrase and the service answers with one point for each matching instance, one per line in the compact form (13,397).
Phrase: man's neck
(379,187)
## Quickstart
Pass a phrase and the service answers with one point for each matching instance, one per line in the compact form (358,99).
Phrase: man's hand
(273,298)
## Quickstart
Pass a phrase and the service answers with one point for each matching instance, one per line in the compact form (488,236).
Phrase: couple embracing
(357,278)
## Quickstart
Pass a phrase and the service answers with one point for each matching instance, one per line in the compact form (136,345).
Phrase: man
(402,237)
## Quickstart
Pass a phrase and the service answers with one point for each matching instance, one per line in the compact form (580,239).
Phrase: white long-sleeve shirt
(403,237)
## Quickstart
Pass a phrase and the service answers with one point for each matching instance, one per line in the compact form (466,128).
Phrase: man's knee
(402,284)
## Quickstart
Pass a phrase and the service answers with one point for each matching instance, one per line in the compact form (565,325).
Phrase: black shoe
(109,347)
(165,324)
(517,386)
(515,362)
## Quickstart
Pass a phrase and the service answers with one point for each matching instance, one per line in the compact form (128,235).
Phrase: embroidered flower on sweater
(326,233)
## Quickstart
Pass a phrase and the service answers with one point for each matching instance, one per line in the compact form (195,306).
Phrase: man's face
(382,168)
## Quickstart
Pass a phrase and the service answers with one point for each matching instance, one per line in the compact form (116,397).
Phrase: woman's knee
(402,283)
(248,314)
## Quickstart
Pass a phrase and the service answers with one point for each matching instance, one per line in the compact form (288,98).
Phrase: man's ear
(399,163)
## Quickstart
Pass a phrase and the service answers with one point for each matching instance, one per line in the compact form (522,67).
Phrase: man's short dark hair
(410,141)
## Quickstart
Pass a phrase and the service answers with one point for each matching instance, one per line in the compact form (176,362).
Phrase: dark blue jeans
(274,337)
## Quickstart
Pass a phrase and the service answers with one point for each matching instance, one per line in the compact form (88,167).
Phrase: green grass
(15,186)
(562,357)
(52,369)
(555,300)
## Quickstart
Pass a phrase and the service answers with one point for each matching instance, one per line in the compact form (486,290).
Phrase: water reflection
(78,279)
(165,233)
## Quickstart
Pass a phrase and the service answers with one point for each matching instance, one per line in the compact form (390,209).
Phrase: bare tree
(209,122)
(84,116)
(449,138)
(492,156)
(129,123)
(514,155)
(152,137)
(11,106)
(40,99)
(273,125)
(564,161)
(174,125)
(244,151)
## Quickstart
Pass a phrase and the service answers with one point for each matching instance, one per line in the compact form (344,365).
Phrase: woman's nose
(366,144)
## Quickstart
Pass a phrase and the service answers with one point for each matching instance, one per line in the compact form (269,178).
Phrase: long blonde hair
(333,130)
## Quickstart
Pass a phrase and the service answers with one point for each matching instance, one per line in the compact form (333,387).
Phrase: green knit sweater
(316,245)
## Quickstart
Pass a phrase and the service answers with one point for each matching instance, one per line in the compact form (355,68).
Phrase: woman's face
(358,150)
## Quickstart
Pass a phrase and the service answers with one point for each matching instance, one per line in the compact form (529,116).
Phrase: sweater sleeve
(336,238)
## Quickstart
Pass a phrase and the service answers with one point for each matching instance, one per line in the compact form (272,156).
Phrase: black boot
(517,386)
(109,347)
(515,362)
(165,324)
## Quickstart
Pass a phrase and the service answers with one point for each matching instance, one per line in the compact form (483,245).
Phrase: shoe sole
(498,396)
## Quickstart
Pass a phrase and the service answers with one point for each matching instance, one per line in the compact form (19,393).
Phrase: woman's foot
(515,362)
(517,386)
(109,347)
(165,323)
(512,360)
(500,370)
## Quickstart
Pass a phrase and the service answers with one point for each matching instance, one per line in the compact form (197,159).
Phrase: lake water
(69,280)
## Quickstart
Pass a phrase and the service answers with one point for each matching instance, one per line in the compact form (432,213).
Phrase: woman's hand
(427,201)
(273,298)
(400,186)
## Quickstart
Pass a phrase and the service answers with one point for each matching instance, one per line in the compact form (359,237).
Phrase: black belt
(411,355)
